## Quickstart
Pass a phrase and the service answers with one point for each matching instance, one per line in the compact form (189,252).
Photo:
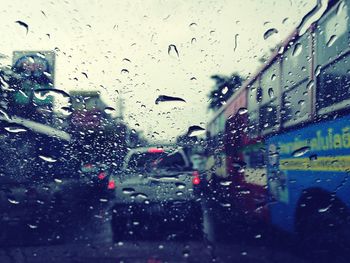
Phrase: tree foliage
(224,88)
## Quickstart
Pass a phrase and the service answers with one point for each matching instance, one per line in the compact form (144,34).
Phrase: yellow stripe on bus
(334,163)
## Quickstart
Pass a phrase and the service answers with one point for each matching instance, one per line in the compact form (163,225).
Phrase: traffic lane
(225,225)
(90,240)
(92,243)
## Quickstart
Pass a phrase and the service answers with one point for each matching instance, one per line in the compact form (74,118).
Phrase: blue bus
(286,132)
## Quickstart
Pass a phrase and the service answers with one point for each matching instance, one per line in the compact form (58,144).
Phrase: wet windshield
(174,131)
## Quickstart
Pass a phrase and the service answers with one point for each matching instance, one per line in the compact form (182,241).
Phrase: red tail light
(196,180)
(111,185)
(155,150)
(101,175)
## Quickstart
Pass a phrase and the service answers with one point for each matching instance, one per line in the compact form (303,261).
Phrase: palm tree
(224,88)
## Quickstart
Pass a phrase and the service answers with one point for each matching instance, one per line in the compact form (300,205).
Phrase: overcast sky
(94,36)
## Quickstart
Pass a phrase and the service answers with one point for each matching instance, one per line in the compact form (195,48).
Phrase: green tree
(224,88)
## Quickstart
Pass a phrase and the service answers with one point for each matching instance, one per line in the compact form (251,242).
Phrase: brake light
(101,175)
(196,180)
(111,185)
(155,150)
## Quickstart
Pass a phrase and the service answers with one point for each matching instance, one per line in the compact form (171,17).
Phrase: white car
(155,184)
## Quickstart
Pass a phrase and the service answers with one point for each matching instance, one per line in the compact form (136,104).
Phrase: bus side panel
(317,156)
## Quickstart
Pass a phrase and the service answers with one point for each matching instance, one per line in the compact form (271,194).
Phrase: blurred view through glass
(175,131)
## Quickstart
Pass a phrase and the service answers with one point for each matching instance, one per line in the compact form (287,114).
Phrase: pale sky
(94,36)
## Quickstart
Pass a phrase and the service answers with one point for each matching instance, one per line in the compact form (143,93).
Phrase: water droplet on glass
(317,70)
(180,185)
(270,32)
(242,111)
(47,159)
(13,201)
(224,90)
(164,98)
(195,130)
(172,50)
(193,25)
(325,209)
(271,93)
(128,190)
(23,24)
(301,151)
(312,16)
(193,40)
(297,49)
(124,71)
(32,226)
(273,77)
(331,40)
(226,183)
(15,129)
(109,110)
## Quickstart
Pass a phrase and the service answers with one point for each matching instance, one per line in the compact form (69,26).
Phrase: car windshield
(174,131)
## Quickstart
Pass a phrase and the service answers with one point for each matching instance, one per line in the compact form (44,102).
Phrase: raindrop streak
(297,49)
(15,129)
(301,151)
(236,39)
(173,49)
(57,91)
(47,159)
(270,32)
(164,98)
(331,40)
(312,16)
(23,24)
(195,130)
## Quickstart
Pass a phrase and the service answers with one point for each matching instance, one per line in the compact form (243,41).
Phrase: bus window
(296,104)
(333,85)
(332,34)
(296,62)
(269,110)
